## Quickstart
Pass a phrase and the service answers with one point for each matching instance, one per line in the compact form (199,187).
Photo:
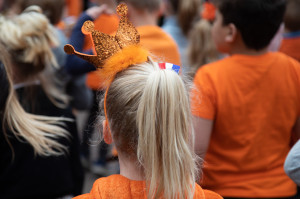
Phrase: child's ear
(106,133)
(231,34)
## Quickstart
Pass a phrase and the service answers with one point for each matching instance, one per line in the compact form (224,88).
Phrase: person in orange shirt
(291,41)
(246,105)
(147,115)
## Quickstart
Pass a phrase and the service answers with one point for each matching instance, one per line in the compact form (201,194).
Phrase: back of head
(256,20)
(148,113)
(292,16)
(53,9)
(149,5)
(28,37)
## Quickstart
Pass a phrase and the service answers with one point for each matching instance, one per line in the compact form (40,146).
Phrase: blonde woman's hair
(149,117)
(29,38)
(201,49)
(40,132)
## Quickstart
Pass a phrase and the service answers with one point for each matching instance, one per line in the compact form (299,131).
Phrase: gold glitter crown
(106,45)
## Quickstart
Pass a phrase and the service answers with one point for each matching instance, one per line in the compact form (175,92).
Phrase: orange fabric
(74,7)
(161,46)
(107,24)
(254,102)
(117,186)
(291,47)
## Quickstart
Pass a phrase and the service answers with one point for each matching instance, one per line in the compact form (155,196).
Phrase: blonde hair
(40,132)
(188,11)
(201,49)
(149,115)
(29,38)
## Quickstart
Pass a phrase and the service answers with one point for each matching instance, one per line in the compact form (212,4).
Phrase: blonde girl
(149,121)
(147,117)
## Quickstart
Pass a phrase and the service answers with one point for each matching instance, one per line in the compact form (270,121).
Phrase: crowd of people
(191,98)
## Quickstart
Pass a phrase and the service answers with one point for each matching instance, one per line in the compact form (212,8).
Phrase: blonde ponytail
(41,132)
(148,112)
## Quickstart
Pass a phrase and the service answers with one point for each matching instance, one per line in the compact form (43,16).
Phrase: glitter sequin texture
(106,45)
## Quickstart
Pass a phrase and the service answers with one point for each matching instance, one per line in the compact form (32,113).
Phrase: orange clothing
(291,47)
(107,24)
(162,47)
(74,7)
(117,186)
(254,102)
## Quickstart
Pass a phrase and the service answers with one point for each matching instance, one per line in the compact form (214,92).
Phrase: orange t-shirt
(118,186)
(162,47)
(107,24)
(254,102)
(291,47)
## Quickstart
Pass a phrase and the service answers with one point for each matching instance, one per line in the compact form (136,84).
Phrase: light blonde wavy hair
(40,132)
(149,116)
(29,38)
(201,49)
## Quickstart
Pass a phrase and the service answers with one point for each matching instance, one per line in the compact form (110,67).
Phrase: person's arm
(202,130)
(292,163)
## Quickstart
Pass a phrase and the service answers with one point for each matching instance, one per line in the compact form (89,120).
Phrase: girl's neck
(130,168)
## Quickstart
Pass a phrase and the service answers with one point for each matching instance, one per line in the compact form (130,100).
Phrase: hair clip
(169,66)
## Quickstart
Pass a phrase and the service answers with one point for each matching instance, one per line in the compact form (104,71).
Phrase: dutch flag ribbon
(169,66)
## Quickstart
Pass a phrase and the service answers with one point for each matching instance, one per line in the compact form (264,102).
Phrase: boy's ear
(106,133)
(231,34)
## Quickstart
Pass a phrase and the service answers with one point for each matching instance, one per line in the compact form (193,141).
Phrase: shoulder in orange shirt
(117,186)
(160,44)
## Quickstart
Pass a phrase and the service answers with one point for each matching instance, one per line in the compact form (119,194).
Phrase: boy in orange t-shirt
(291,39)
(246,105)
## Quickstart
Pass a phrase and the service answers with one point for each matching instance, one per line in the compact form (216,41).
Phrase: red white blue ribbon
(169,66)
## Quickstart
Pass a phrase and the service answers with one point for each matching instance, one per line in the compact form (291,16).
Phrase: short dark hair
(292,15)
(257,20)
